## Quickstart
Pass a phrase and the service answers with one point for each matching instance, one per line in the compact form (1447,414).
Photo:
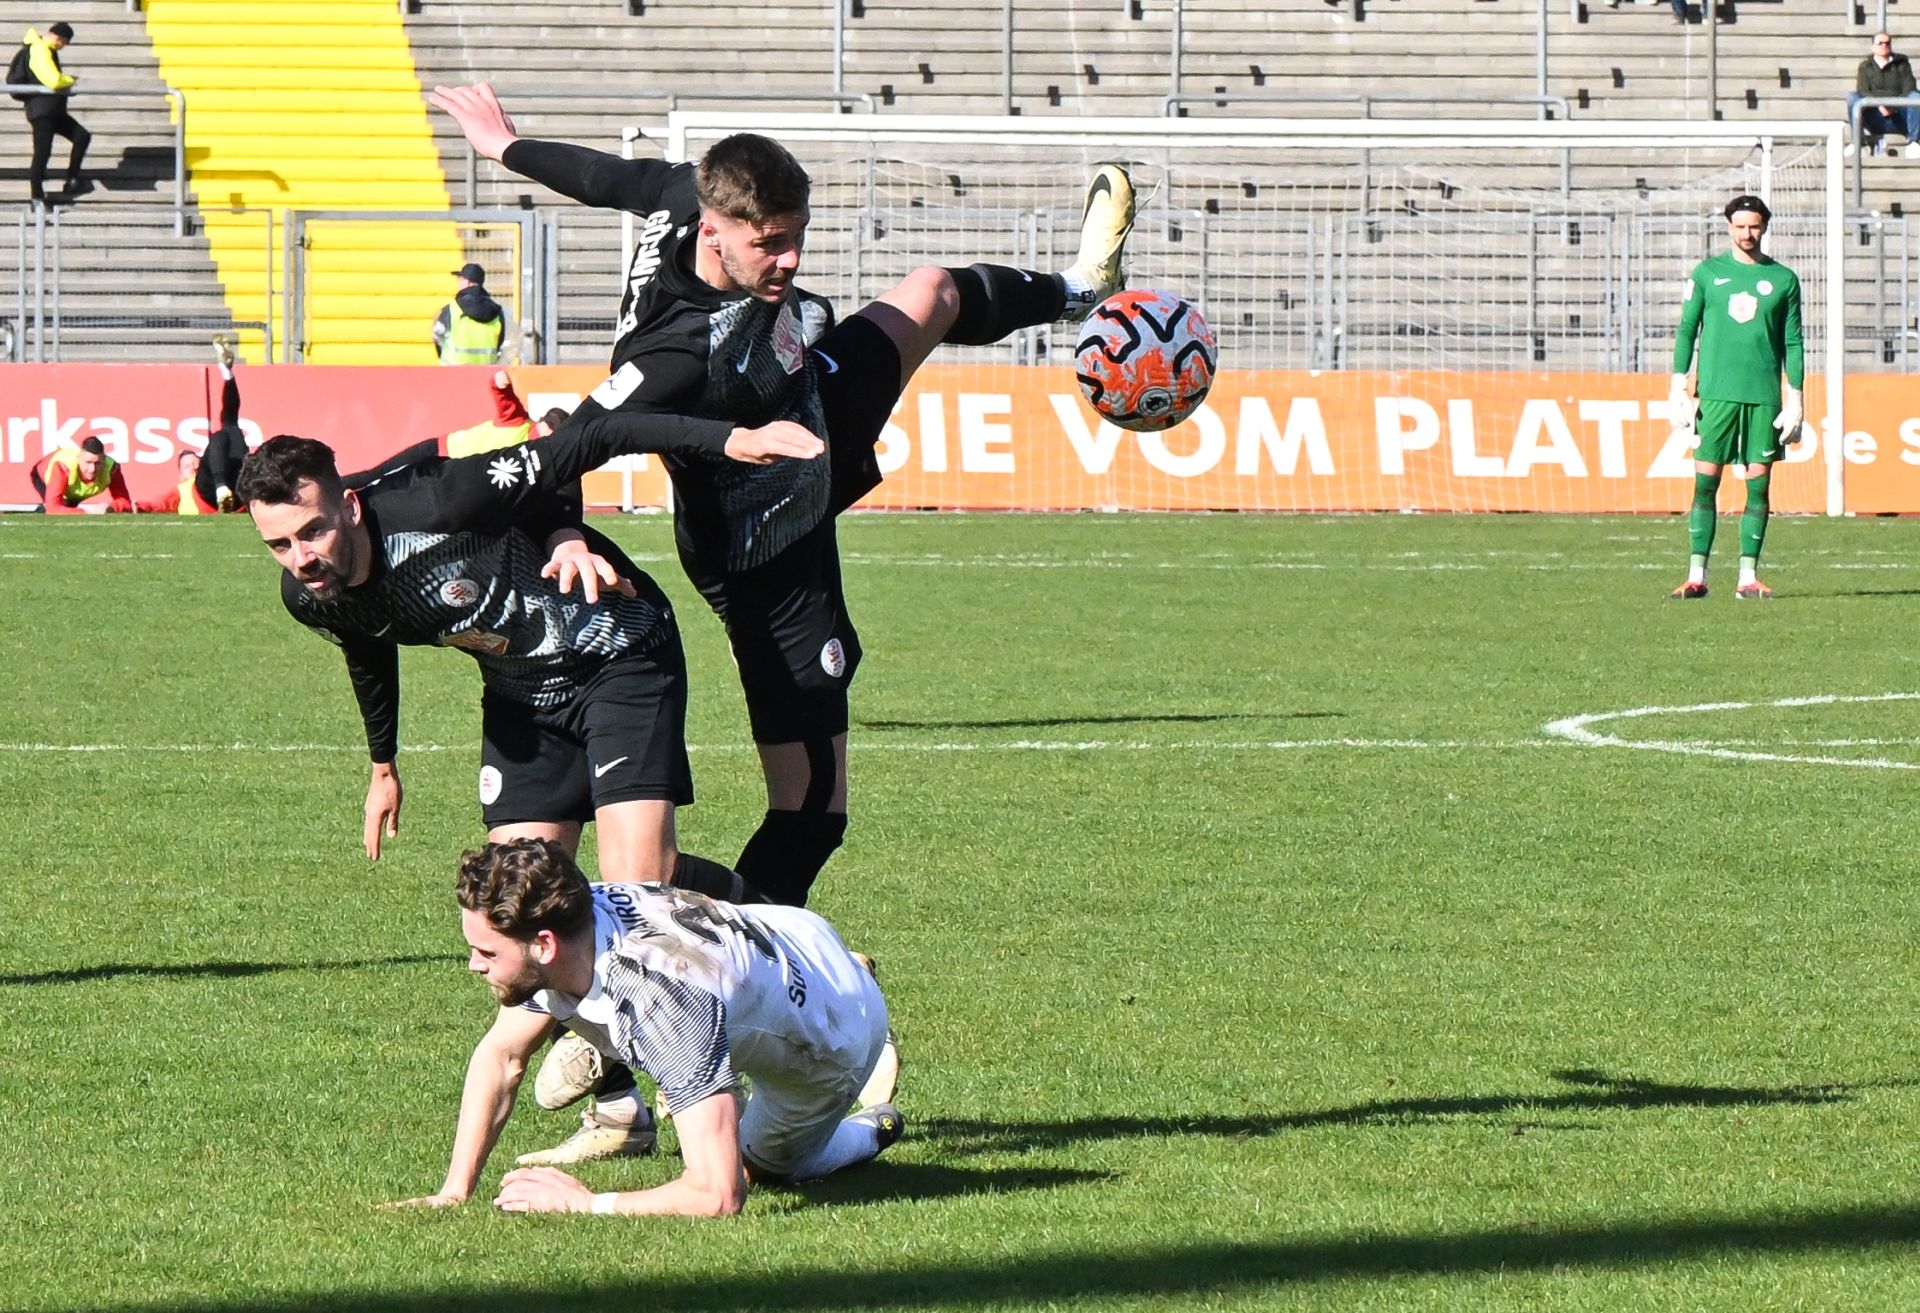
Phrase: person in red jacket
(183,498)
(69,476)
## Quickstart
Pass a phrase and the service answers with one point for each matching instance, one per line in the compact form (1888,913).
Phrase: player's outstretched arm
(383,806)
(714,1184)
(494,1073)
(477,110)
(780,440)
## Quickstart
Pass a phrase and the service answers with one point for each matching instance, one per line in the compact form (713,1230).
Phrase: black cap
(1749,205)
(62,30)
(472,272)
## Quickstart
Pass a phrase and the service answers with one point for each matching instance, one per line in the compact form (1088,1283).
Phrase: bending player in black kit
(583,711)
(712,325)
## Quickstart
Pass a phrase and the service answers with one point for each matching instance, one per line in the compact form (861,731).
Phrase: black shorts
(858,369)
(622,738)
(792,639)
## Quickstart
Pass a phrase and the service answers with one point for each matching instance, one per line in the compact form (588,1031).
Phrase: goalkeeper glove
(1679,404)
(1791,415)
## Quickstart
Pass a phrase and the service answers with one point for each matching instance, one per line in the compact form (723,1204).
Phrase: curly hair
(524,886)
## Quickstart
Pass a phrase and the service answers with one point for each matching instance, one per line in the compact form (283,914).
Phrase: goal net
(1431,315)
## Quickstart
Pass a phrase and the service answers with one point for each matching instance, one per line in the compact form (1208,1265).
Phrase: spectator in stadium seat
(38,61)
(472,328)
(1883,73)
(69,476)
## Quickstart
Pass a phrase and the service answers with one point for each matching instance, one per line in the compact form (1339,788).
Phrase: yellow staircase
(294,105)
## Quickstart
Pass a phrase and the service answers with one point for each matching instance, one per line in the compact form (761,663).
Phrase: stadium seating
(318,119)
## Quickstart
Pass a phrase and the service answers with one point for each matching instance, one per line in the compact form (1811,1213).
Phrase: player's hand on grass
(441,1200)
(477,110)
(1792,414)
(542,1190)
(771,442)
(573,561)
(383,807)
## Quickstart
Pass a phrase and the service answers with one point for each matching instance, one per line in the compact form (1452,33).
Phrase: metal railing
(1860,107)
(179,100)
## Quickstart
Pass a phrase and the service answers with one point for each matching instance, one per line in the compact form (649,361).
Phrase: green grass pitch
(1254,941)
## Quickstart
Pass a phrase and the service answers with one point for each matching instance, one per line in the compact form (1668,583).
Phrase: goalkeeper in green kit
(1744,309)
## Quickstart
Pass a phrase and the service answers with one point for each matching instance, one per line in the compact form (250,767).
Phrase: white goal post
(1413,314)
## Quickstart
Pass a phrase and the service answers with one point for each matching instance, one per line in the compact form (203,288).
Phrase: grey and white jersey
(698,993)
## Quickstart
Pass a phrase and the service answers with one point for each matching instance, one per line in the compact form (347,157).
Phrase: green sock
(1700,518)
(1753,520)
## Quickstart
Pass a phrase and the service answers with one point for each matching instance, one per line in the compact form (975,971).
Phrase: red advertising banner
(145,415)
(1005,437)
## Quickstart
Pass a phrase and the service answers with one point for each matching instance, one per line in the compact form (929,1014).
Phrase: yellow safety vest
(78,489)
(487,437)
(470,342)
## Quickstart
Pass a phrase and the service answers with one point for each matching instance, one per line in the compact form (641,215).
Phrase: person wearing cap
(38,61)
(472,328)
(1743,309)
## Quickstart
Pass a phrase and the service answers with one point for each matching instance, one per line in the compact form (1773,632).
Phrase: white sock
(1697,572)
(854,1142)
(1747,567)
(621,1110)
(225,372)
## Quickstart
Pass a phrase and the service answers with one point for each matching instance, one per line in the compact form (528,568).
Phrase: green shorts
(1737,433)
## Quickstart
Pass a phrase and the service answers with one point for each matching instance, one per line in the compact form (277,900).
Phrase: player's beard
(761,290)
(331,579)
(524,985)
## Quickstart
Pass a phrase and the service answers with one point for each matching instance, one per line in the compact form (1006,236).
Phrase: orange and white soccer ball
(1145,359)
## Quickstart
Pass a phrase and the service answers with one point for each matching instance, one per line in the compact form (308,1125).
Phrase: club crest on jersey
(789,343)
(1742,306)
(459,592)
(476,640)
(833,658)
(489,785)
(1766,287)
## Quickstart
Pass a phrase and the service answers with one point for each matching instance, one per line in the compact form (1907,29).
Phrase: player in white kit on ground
(696,993)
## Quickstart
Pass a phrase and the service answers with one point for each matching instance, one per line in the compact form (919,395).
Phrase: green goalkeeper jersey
(1747,320)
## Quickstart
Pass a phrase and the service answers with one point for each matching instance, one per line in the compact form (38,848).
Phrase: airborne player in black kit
(711,325)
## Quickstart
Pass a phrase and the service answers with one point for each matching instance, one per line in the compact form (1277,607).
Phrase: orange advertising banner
(1007,437)
(985,437)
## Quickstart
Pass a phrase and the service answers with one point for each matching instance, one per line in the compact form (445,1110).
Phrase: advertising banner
(990,437)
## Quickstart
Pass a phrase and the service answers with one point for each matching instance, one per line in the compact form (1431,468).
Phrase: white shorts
(795,1102)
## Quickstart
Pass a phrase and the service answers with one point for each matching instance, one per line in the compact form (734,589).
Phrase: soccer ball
(1145,359)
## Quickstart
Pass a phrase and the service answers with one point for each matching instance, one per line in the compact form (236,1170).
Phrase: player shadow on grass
(1050,722)
(930,1277)
(882,1181)
(1597,1092)
(114,970)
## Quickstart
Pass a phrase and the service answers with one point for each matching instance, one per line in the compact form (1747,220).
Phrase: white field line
(1575,729)
(1014,745)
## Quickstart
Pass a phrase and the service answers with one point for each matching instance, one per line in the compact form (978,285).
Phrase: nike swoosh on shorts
(598,771)
(833,366)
